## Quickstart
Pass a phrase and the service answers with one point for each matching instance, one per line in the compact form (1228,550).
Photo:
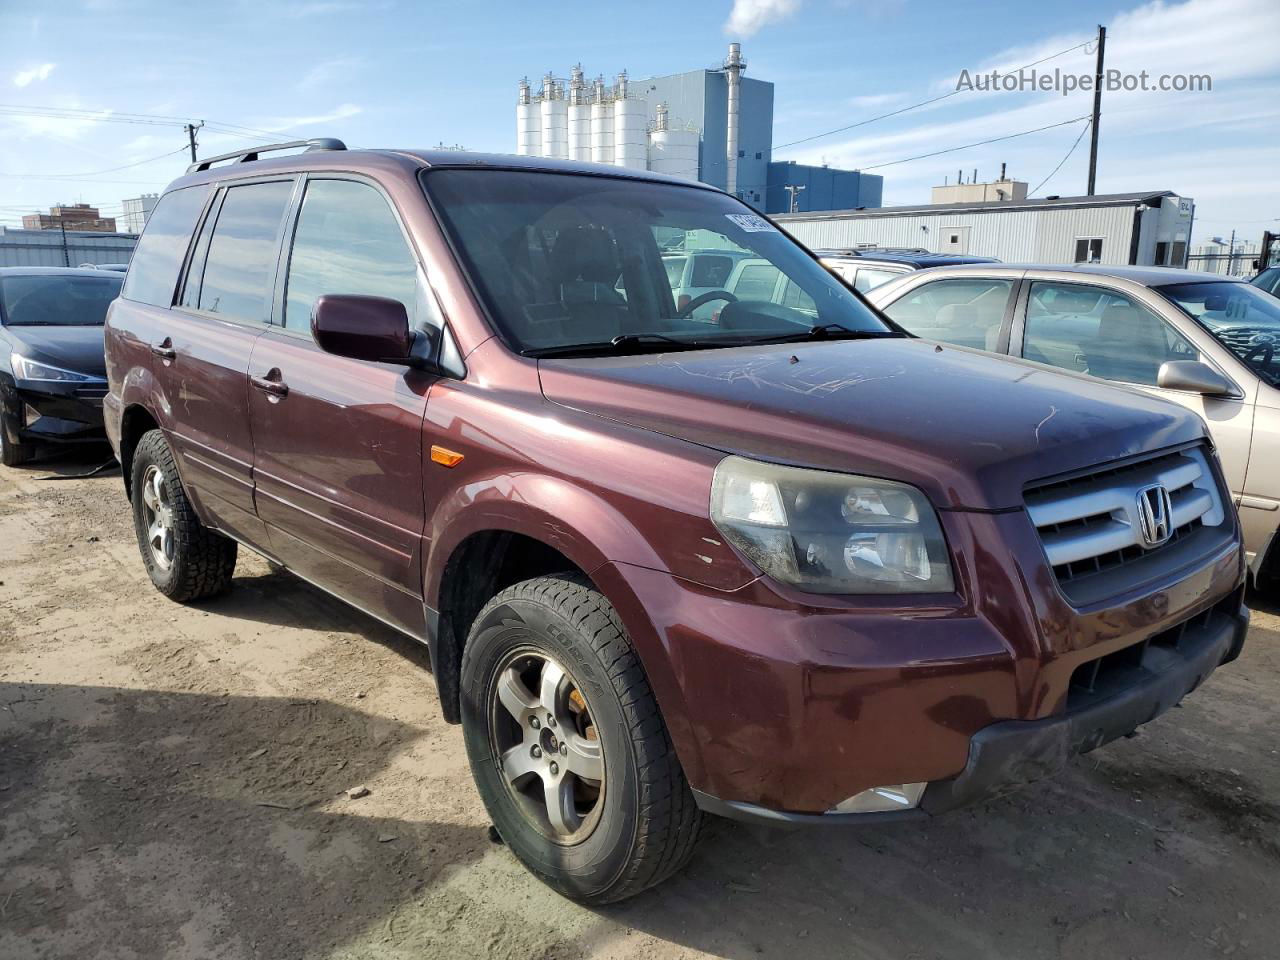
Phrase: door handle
(271,384)
(164,349)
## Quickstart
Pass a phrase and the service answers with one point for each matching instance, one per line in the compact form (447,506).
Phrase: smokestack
(733,65)
(1002,171)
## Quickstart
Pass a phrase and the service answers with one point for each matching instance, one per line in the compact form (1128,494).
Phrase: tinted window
(1268,279)
(348,241)
(1099,332)
(56,301)
(153,272)
(711,271)
(1243,319)
(241,262)
(546,252)
(967,312)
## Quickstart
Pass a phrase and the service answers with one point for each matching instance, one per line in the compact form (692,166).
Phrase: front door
(1111,335)
(338,451)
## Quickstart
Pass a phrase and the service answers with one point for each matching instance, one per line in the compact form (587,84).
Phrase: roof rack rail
(248,156)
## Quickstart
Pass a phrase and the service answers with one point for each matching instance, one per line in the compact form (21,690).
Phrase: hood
(72,348)
(969,428)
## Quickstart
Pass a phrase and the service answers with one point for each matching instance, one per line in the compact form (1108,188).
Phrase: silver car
(1208,342)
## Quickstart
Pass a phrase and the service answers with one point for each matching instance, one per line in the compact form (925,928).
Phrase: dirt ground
(173,784)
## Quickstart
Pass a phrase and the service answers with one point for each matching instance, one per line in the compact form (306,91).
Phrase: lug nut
(555,768)
(537,752)
(564,750)
(551,721)
(534,723)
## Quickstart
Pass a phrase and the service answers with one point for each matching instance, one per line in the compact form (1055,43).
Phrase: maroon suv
(789,566)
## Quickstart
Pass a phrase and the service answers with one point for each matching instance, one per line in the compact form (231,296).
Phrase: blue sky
(396,73)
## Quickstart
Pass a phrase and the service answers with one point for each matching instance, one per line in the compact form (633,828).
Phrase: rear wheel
(184,558)
(567,746)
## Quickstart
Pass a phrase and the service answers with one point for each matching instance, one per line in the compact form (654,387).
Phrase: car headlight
(831,532)
(24,369)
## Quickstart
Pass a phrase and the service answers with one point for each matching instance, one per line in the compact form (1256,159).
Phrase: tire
(12,454)
(188,561)
(643,823)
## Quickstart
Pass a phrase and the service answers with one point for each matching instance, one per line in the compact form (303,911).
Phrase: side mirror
(362,328)
(1194,376)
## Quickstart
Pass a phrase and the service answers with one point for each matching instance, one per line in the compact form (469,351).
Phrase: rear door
(201,363)
(338,449)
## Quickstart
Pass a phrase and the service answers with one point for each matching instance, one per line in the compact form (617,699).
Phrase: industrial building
(1148,229)
(711,125)
(135,213)
(58,248)
(79,216)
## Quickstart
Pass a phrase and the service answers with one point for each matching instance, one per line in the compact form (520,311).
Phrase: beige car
(1208,342)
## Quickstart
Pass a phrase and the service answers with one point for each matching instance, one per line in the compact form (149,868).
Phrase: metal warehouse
(1149,229)
(56,248)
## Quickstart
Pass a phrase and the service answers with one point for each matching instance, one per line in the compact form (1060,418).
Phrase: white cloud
(340,112)
(326,72)
(26,77)
(871,100)
(748,16)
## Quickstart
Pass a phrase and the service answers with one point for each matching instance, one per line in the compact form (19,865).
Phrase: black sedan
(52,373)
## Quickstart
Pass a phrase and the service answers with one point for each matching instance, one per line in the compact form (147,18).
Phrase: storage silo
(672,150)
(579,117)
(528,123)
(601,124)
(555,120)
(630,129)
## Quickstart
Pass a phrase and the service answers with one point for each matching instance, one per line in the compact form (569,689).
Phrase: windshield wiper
(625,343)
(825,331)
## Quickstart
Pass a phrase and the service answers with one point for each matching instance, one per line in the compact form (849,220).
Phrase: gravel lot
(173,784)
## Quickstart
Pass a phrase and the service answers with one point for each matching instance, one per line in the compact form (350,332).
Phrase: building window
(742,153)
(757,154)
(1088,250)
(1179,258)
(1162,254)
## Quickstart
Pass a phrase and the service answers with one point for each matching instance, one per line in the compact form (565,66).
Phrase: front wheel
(184,558)
(12,454)
(567,747)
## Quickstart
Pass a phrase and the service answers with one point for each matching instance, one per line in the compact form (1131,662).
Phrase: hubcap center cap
(549,742)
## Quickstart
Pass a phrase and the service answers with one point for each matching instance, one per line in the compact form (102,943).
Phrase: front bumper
(56,412)
(1013,753)
(782,709)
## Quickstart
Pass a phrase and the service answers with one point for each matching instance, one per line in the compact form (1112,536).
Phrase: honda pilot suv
(794,566)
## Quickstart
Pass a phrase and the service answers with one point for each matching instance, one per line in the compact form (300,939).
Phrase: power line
(1083,131)
(980,143)
(94,173)
(922,103)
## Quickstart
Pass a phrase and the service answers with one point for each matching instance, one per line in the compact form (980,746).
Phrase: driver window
(1099,332)
(348,241)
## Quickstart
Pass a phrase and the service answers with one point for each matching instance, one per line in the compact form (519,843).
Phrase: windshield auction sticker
(750,223)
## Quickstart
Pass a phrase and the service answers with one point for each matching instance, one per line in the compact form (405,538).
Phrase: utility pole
(793,190)
(66,255)
(1097,112)
(191,129)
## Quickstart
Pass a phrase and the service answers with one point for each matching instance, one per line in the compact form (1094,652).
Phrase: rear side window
(240,266)
(153,272)
(711,271)
(757,282)
(348,241)
(868,278)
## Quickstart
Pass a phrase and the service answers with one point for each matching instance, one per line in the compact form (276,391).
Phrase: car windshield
(1241,317)
(50,300)
(575,264)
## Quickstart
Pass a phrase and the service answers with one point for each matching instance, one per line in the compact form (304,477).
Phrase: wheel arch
(135,422)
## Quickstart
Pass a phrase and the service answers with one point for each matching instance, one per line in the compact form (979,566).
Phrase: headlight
(831,532)
(24,369)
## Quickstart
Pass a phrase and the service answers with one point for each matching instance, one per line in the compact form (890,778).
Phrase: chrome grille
(1090,524)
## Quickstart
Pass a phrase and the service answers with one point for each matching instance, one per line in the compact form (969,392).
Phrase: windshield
(567,261)
(1241,317)
(50,300)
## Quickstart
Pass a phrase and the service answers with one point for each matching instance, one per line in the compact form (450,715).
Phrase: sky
(94,93)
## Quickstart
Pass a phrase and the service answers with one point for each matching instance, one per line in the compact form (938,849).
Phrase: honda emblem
(1155,515)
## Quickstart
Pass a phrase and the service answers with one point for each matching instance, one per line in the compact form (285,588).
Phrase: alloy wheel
(547,746)
(157,509)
